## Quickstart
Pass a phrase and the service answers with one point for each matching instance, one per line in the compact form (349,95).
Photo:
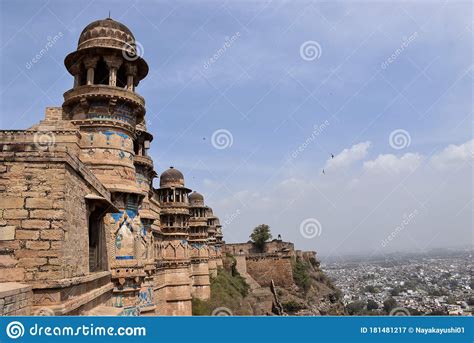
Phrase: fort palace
(82,230)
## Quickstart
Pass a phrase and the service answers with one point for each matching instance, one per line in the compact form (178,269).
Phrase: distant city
(434,283)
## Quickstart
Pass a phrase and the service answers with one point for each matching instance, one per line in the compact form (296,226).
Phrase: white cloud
(454,155)
(348,156)
(393,164)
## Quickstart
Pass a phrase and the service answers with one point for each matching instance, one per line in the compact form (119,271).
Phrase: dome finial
(109,15)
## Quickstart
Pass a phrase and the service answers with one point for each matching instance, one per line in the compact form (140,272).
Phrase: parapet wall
(249,247)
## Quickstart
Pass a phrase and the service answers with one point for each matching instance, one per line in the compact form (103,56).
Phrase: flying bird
(332,156)
(324,172)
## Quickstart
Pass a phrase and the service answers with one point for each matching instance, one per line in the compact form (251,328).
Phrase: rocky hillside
(312,293)
(309,293)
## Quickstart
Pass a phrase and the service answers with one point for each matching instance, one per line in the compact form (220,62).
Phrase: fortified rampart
(273,263)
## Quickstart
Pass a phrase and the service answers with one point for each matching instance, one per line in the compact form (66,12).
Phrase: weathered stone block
(54,261)
(11,202)
(15,214)
(12,274)
(39,203)
(32,262)
(37,245)
(7,233)
(14,245)
(7,261)
(54,235)
(35,224)
(28,253)
(49,253)
(27,234)
(47,214)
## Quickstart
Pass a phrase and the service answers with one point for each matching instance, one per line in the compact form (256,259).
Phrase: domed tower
(174,265)
(198,245)
(104,104)
(109,115)
(211,241)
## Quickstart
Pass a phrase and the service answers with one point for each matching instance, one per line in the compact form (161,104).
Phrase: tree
(372,305)
(356,307)
(260,235)
(389,304)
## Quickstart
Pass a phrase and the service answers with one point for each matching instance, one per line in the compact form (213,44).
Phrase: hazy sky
(250,99)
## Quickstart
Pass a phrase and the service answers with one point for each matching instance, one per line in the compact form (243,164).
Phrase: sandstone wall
(266,267)
(43,217)
(31,215)
(15,299)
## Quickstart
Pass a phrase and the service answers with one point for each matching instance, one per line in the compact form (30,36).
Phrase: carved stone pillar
(113,63)
(90,64)
(76,71)
(131,71)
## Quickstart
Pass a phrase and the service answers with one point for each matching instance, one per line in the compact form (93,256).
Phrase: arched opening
(101,73)
(121,77)
(83,77)
(97,249)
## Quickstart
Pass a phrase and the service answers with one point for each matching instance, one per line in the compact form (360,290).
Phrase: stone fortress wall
(273,264)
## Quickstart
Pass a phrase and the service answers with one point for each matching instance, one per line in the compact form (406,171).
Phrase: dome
(106,33)
(108,37)
(196,198)
(172,178)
